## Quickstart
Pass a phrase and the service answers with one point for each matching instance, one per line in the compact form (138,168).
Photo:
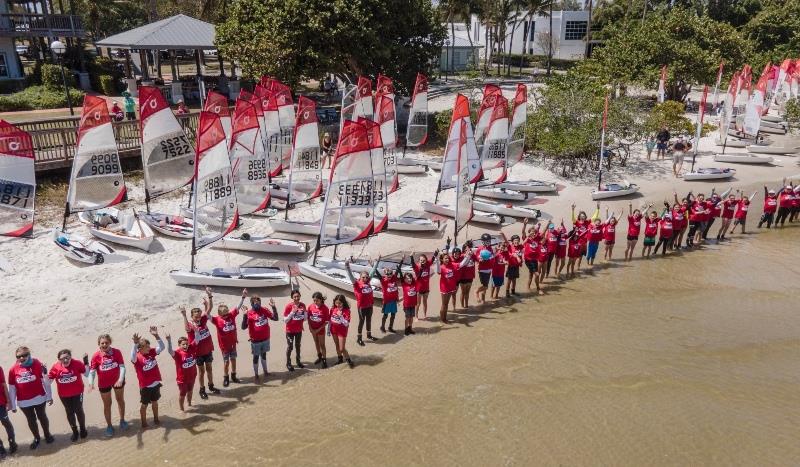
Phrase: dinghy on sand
(171,226)
(81,249)
(709,173)
(525,186)
(412,221)
(495,192)
(615,190)
(518,212)
(111,225)
(259,244)
(767,149)
(448,211)
(743,158)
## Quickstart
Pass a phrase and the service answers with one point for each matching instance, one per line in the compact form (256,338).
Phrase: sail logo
(14,145)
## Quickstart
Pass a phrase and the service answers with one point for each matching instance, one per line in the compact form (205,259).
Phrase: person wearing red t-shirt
(144,362)
(714,206)
(227,338)
(185,357)
(108,369)
(595,236)
(319,316)
(294,315)
(29,389)
(530,246)
(610,234)
(515,253)
(742,206)
(410,299)
(68,373)
(340,323)
(422,271)
(499,268)
(574,248)
(256,322)
(390,289)
(680,222)
(634,228)
(770,208)
(198,333)
(650,232)
(728,210)
(666,233)
(448,281)
(562,238)
(4,420)
(485,264)
(466,274)
(362,289)
(582,223)
(698,213)
(786,200)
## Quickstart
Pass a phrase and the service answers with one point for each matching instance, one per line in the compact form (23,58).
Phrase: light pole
(447,57)
(59,49)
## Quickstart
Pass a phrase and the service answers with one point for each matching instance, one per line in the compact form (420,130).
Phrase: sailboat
(216,214)
(251,179)
(348,215)
(167,160)
(450,166)
(95,180)
(218,103)
(286,119)
(494,154)
(704,173)
(609,190)
(97,162)
(270,122)
(490,93)
(305,177)
(417,128)
(17,181)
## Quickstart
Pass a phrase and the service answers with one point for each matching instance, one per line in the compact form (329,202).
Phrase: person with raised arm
(610,234)
(340,323)
(728,208)
(595,236)
(634,228)
(485,265)
(680,222)
(650,232)
(582,224)
(467,274)
(770,208)
(294,315)
(319,316)
(143,357)
(742,206)
(227,338)
(108,370)
(530,251)
(68,373)
(448,281)
(575,248)
(715,206)
(410,299)
(256,322)
(390,289)
(422,271)
(29,389)
(198,333)
(185,357)
(362,288)
(666,233)
(786,200)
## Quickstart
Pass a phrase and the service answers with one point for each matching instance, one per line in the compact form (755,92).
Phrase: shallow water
(686,360)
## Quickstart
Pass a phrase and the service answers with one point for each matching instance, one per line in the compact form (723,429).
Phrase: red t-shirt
(107,367)
(468,270)
(226,331)
(741,209)
(340,320)
(295,324)
(205,345)
(363,292)
(500,261)
(582,227)
(318,315)
(728,208)
(575,247)
(423,277)
(515,255)
(679,217)
(531,248)
(596,233)
(634,225)
(258,324)
(485,265)
(543,254)
(185,364)
(698,212)
(561,248)
(147,368)
(409,295)
(69,379)
(610,232)
(448,278)
(650,227)
(389,289)
(667,227)
(770,205)
(785,200)
(28,381)
(551,240)
(715,208)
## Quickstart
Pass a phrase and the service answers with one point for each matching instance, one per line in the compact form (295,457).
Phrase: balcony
(39,25)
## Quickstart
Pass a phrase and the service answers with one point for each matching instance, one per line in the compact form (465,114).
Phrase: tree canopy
(296,40)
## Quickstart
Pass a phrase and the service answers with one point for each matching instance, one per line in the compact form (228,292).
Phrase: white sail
(464,210)
(17,181)
(385,117)
(417,131)
(460,119)
(167,154)
(286,120)
(218,104)
(349,204)
(96,179)
(272,129)
(490,93)
(494,153)
(248,162)
(726,113)
(214,199)
(305,176)
(348,105)
(362,107)
(380,192)
(516,132)
(755,106)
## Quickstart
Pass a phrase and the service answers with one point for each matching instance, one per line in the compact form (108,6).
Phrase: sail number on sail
(496,150)
(217,187)
(174,147)
(15,194)
(307,159)
(101,164)
(356,193)
(257,169)
(388,157)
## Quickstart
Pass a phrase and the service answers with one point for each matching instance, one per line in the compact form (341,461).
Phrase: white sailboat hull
(252,277)
(772,130)
(516,212)
(139,235)
(502,193)
(478,217)
(743,158)
(184,229)
(81,249)
(296,227)
(334,277)
(411,169)
(528,186)
(735,143)
(710,174)
(412,224)
(606,194)
(262,245)
(769,124)
(764,149)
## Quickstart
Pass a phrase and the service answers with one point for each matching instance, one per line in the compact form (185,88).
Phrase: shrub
(671,115)
(52,79)
(39,97)
(106,85)
(100,66)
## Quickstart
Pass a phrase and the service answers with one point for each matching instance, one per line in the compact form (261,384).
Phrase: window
(575,30)
(3,66)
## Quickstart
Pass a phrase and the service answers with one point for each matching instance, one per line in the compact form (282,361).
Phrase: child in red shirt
(185,357)
(144,362)
(501,259)
(68,374)
(319,316)
(409,300)
(225,322)
(391,295)
(294,314)
(198,333)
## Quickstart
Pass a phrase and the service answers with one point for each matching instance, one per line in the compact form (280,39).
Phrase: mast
(700,114)
(716,86)
(602,145)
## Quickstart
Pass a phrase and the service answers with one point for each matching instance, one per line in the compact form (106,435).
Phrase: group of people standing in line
(542,249)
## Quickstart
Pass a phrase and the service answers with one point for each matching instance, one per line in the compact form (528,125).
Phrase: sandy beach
(370,414)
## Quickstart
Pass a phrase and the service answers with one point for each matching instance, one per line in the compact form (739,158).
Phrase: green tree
(691,46)
(773,32)
(296,40)
(104,18)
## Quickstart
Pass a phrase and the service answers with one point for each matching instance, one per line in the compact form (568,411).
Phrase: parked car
(24,51)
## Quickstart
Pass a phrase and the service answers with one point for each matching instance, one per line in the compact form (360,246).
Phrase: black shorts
(203,359)
(532,266)
(152,394)
(512,272)
(485,277)
(109,388)
(633,237)
(466,281)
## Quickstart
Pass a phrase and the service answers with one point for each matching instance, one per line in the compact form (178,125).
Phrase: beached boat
(411,169)
(295,227)
(81,249)
(772,118)
(709,173)
(412,221)
(125,229)
(615,190)
(448,211)
(768,124)
(336,278)
(260,244)
(171,226)
(743,158)
(734,142)
(507,210)
(494,192)
(525,186)
(772,130)
(250,277)
(769,149)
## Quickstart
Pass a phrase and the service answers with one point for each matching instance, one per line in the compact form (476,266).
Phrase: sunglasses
(23,356)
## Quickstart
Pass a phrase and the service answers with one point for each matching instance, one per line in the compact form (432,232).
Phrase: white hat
(771,192)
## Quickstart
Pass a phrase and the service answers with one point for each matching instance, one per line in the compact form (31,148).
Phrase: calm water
(680,361)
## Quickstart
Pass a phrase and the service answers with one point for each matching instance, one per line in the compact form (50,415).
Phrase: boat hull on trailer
(252,277)
(295,227)
(743,158)
(623,190)
(81,249)
(711,173)
(335,277)
(478,217)
(171,226)
(262,245)
(502,194)
(137,234)
(520,212)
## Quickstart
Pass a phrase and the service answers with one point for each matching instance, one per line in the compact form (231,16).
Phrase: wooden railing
(38,24)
